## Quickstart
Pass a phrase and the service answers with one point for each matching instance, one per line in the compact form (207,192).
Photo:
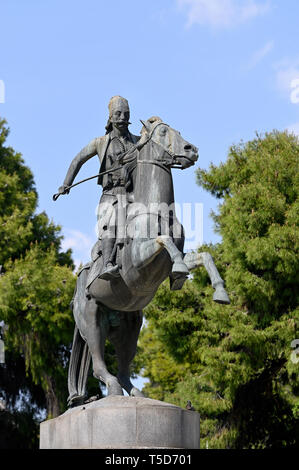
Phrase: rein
(161,163)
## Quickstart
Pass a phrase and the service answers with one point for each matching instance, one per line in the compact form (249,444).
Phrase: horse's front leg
(193,260)
(147,244)
(144,252)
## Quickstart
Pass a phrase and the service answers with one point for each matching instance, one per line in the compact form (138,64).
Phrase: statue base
(119,422)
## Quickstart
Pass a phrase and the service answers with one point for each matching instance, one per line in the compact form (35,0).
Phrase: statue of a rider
(110,149)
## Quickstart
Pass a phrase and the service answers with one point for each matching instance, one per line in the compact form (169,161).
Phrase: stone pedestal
(119,422)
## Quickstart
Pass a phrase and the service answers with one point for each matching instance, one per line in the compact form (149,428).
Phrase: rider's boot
(110,270)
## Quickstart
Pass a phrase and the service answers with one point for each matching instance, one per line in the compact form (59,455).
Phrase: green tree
(234,362)
(36,287)
(35,294)
(19,224)
(25,405)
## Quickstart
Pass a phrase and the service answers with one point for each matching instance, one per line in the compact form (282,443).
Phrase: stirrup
(110,273)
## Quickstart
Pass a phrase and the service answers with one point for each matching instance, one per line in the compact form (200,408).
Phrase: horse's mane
(130,161)
(149,122)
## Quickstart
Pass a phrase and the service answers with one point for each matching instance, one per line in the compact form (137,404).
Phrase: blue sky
(216,70)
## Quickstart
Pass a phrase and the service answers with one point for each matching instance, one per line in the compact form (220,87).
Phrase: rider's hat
(116,101)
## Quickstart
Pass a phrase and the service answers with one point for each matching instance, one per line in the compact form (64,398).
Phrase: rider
(109,149)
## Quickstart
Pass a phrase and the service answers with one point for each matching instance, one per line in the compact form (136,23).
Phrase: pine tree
(234,362)
(36,286)
(35,294)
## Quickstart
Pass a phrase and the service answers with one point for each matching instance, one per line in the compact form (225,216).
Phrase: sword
(67,188)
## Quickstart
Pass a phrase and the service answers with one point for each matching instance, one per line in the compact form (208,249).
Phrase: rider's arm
(86,153)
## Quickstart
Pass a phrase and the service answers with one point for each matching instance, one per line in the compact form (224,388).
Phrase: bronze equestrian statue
(140,244)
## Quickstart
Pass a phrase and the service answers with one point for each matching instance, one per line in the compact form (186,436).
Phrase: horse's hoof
(220,296)
(136,393)
(114,389)
(179,268)
(75,400)
(91,399)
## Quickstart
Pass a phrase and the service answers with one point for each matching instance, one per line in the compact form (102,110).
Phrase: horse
(150,250)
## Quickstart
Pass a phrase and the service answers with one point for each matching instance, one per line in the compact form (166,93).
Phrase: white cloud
(80,243)
(251,9)
(259,55)
(222,13)
(295,90)
(287,71)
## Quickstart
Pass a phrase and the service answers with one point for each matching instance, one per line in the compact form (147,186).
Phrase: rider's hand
(63,190)
(120,159)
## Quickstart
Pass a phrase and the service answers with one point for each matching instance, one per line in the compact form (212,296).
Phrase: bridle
(169,162)
(166,163)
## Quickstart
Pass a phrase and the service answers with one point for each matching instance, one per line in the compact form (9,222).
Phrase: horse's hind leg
(124,339)
(193,260)
(96,334)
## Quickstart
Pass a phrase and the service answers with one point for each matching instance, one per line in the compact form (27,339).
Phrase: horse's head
(176,151)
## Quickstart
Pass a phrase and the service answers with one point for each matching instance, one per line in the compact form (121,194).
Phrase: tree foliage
(35,293)
(234,362)
(36,286)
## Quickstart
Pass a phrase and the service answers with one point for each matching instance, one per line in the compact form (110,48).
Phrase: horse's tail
(80,355)
(78,369)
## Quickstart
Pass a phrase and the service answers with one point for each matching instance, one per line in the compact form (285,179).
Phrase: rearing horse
(150,251)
